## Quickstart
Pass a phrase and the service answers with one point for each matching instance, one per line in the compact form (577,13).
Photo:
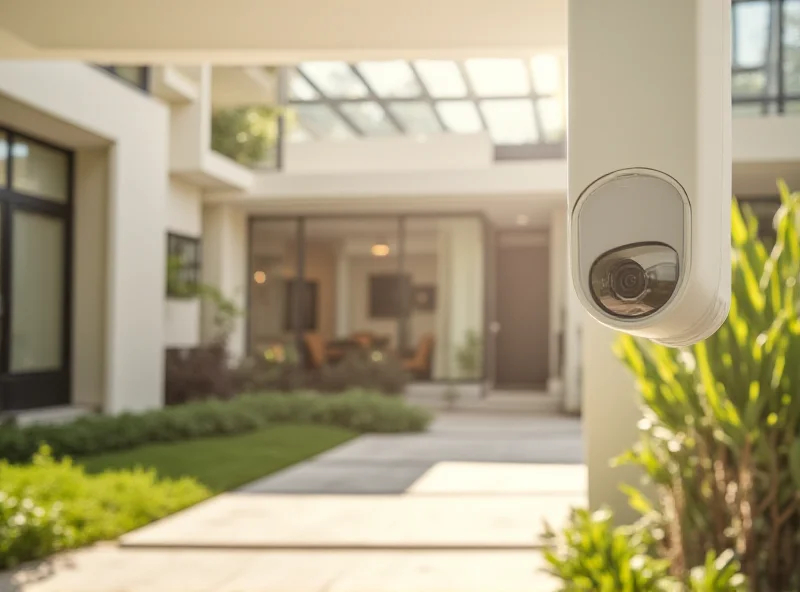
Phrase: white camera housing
(650,165)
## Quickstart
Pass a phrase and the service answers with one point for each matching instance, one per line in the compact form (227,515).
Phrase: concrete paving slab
(114,569)
(382,463)
(502,479)
(326,476)
(484,447)
(240,520)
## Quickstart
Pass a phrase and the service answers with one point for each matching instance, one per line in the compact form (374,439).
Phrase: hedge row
(359,411)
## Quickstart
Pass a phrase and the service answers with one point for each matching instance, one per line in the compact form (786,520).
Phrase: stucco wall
(89,278)
(185,217)
(137,129)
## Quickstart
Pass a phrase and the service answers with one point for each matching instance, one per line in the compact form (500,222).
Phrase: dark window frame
(39,388)
(189,272)
(144,76)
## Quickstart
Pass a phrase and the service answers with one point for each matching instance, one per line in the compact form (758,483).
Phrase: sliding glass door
(35,213)
(408,287)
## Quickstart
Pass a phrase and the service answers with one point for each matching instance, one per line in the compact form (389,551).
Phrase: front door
(35,213)
(523,310)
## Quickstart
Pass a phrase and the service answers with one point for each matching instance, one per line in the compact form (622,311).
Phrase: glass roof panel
(417,117)
(370,118)
(751,33)
(547,74)
(300,89)
(322,121)
(460,116)
(335,79)
(442,78)
(390,79)
(510,121)
(498,77)
(551,111)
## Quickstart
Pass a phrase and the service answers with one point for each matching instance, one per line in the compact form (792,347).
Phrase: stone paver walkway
(458,508)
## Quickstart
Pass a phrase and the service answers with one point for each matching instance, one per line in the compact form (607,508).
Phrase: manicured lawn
(225,462)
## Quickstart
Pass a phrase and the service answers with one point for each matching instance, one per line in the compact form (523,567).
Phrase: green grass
(225,462)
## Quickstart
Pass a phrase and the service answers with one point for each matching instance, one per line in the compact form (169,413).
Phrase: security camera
(650,165)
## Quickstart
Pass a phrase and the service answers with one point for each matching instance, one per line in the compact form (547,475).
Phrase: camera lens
(628,281)
(635,280)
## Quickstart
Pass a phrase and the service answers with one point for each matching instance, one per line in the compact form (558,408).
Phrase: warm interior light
(260,277)
(522,220)
(380,249)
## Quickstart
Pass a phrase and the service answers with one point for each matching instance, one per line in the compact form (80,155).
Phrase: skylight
(517,102)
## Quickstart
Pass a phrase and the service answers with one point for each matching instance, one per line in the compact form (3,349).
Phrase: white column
(648,88)
(225,267)
(136,273)
(610,416)
(89,278)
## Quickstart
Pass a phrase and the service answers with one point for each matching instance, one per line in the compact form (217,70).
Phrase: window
(39,170)
(138,76)
(183,265)
(766,56)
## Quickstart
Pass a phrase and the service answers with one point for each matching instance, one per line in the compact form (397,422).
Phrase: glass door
(35,214)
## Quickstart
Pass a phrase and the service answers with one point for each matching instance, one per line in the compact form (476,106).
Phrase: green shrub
(720,434)
(592,555)
(360,411)
(61,506)
(373,370)
(29,531)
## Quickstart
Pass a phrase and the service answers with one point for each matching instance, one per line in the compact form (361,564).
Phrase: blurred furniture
(337,349)
(315,350)
(419,364)
(363,338)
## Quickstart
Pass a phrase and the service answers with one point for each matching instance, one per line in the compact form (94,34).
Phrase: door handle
(494,327)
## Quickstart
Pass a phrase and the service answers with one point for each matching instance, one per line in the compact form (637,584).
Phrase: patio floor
(458,508)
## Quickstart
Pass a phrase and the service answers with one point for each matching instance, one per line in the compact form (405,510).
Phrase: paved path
(458,508)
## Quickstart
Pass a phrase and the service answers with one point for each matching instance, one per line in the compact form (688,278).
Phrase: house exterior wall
(89,278)
(185,217)
(135,129)
(429,153)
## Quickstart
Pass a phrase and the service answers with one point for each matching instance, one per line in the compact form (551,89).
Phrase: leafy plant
(361,411)
(50,505)
(245,134)
(719,438)
(198,373)
(470,355)
(593,555)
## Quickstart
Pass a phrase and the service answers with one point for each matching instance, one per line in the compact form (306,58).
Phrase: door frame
(28,390)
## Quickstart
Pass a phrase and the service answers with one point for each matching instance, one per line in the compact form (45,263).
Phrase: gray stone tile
(341,478)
